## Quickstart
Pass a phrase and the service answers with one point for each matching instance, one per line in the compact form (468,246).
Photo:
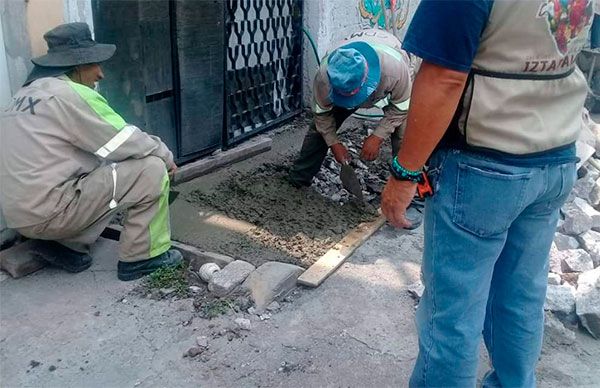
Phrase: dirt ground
(249,210)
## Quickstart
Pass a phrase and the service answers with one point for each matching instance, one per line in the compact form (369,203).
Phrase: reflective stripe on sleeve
(117,140)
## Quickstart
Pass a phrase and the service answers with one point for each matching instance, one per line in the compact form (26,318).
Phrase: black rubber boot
(71,261)
(134,270)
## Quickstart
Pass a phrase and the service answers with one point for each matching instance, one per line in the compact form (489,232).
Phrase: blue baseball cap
(354,73)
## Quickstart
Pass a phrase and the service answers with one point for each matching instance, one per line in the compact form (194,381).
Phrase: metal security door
(263,83)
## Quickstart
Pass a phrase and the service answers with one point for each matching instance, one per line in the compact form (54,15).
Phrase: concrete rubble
(574,279)
(587,299)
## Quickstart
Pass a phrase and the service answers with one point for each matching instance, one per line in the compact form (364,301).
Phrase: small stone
(124,301)
(34,364)
(264,317)
(587,299)
(554,279)
(194,351)
(336,197)
(576,260)
(243,323)
(252,311)
(195,289)
(361,165)
(97,313)
(274,306)
(166,291)
(202,341)
(52,368)
(560,299)
(590,241)
(416,290)
(564,242)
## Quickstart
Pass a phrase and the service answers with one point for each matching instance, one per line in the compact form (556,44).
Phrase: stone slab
(271,281)
(22,259)
(229,278)
(564,242)
(576,221)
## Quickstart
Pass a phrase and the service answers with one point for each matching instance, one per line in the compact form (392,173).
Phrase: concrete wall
(329,21)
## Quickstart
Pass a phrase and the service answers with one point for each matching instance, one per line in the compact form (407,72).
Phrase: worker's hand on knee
(395,199)
(371,147)
(171,168)
(340,153)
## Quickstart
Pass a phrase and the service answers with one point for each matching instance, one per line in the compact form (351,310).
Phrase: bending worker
(68,162)
(365,70)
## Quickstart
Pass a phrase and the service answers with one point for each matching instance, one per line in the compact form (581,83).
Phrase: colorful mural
(379,13)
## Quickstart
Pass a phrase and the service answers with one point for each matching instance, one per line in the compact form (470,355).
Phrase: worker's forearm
(435,96)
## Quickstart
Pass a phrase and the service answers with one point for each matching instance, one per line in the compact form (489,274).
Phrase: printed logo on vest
(567,19)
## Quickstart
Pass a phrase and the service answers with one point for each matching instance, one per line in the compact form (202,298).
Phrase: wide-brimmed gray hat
(71,44)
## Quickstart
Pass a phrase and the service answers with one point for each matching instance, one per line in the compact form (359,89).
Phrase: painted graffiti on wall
(379,13)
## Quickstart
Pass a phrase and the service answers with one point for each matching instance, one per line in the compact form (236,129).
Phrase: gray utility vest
(525,93)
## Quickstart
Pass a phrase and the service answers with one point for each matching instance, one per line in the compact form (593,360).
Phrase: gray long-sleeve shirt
(392,93)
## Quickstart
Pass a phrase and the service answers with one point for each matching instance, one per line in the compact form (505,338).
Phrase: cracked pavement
(355,330)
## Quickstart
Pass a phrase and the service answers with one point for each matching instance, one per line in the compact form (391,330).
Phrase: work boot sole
(134,275)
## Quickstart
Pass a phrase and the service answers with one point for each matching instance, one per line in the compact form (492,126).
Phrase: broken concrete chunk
(560,299)
(590,241)
(202,341)
(554,279)
(25,258)
(576,221)
(555,331)
(594,196)
(231,276)
(587,299)
(585,207)
(555,259)
(273,306)
(583,187)
(243,323)
(576,260)
(564,242)
(271,281)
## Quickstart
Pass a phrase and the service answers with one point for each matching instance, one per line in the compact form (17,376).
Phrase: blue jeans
(488,231)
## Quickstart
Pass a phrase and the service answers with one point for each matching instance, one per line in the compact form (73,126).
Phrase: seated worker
(364,70)
(68,162)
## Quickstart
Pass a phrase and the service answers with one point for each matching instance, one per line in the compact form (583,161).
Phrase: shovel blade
(350,181)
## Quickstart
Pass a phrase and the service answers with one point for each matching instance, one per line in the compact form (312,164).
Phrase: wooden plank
(330,261)
(211,163)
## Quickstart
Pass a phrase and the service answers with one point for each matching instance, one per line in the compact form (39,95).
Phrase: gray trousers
(314,149)
(142,189)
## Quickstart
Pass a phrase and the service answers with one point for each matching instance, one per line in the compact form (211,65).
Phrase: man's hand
(370,148)
(395,199)
(171,168)
(340,153)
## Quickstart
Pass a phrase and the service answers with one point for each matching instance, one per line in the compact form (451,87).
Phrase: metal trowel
(350,181)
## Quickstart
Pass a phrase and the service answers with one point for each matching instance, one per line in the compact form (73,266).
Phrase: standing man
(366,69)
(499,84)
(68,162)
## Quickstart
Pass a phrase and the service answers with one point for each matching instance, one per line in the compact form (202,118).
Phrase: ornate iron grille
(263,83)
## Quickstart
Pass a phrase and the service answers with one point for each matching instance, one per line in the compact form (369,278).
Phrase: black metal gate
(202,74)
(263,84)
